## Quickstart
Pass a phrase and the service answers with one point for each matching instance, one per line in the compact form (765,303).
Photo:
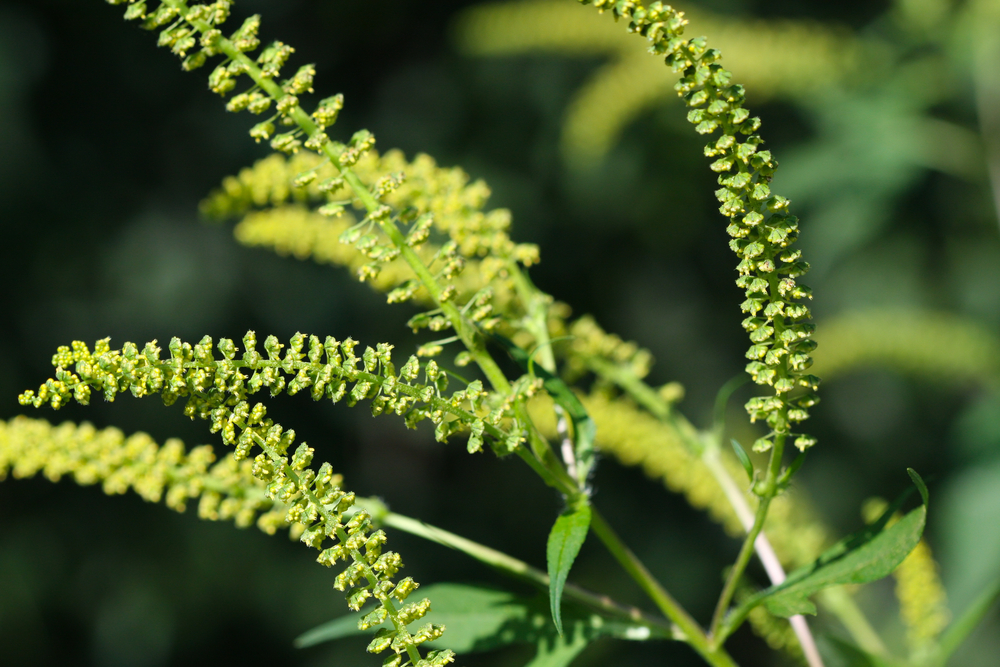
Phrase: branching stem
(649,399)
(512,566)
(688,628)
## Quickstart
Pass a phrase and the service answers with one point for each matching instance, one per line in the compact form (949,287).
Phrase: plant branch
(765,552)
(742,560)
(647,397)
(689,629)
(512,566)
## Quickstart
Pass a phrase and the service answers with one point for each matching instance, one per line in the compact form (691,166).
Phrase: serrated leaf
(567,536)
(865,556)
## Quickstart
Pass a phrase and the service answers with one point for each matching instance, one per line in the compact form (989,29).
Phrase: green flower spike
(217,389)
(761,227)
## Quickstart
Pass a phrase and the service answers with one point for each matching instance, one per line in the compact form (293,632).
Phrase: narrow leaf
(792,469)
(338,628)
(565,540)
(865,556)
(919,483)
(741,454)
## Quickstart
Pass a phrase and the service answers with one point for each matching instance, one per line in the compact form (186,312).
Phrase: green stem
(768,490)
(689,629)
(843,606)
(512,566)
(963,626)
(847,611)
(641,393)
(537,320)
(742,560)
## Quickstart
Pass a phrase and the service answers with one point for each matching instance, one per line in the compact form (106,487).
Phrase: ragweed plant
(420,233)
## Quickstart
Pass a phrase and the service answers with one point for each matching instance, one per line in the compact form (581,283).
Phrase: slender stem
(555,475)
(765,552)
(852,617)
(537,324)
(537,320)
(769,489)
(840,602)
(742,560)
(967,621)
(641,392)
(690,631)
(513,567)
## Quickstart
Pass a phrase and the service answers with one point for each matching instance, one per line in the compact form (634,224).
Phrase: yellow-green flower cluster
(922,598)
(589,340)
(445,205)
(392,227)
(217,390)
(225,490)
(778,58)
(763,231)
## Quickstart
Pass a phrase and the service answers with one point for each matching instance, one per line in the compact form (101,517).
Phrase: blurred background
(885,117)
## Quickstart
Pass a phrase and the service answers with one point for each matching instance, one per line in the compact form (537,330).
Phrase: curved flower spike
(761,227)
(217,389)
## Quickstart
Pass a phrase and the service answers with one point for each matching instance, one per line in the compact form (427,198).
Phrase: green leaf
(865,556)
(474,616)
(560,650)
(792,469)
(479,618)
(741,454)
(919,482)
(565,540)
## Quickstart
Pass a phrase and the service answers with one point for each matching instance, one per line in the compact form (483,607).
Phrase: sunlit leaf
(865,556)
(565,540)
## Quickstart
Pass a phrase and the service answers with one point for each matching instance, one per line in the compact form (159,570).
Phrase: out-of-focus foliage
(874,96)
(631,82)
(885,152)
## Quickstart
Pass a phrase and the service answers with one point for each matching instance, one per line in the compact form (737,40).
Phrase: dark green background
(106,148)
